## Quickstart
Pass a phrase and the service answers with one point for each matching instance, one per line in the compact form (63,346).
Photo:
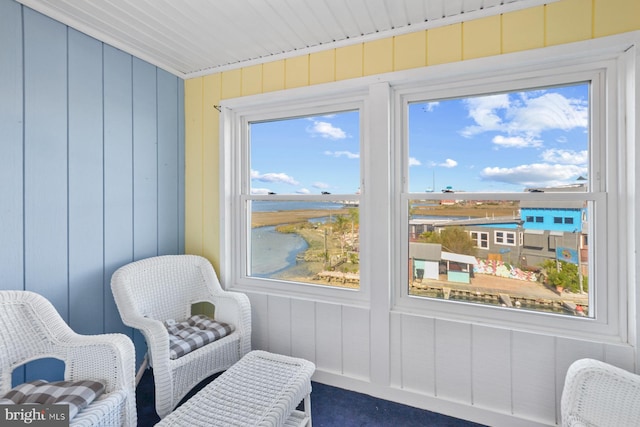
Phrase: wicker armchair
(31,328)
(598,394)
(150,291)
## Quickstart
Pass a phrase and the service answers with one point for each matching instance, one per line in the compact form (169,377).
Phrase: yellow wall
(557,23)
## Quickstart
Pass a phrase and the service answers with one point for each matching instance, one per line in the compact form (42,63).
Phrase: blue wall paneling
(91,169)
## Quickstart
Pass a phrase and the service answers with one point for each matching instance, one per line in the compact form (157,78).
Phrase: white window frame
(478,239)
(384,214)
(235,120)
(504,241)
(611,73)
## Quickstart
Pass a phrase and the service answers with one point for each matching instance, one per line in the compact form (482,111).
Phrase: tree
(563,274)
(452,239)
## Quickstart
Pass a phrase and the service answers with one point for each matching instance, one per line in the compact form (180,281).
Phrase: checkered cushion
(77,394)
(194,333)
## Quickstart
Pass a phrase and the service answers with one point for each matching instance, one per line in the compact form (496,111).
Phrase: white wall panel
(395,349)
(491,368)
(279,324)
(620,355)
(417,353)
(356,342)
(453,360)
(259,321)
(533,380)
(303,329)
(329,337)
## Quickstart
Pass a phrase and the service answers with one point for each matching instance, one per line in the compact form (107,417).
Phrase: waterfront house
(116,148)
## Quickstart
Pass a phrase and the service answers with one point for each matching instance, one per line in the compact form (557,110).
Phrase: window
(313,239)
(515,156)
(299,196)
(481,239)
(455,179)
(505,238)
(496,144)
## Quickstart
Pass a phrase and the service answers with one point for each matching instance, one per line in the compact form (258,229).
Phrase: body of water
(273,252)
(291,205)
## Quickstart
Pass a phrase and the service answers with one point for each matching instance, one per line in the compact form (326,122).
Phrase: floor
(330,406)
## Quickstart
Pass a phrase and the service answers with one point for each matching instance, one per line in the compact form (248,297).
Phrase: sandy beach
(262,219)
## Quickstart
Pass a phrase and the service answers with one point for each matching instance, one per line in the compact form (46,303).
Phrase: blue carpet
(330,406)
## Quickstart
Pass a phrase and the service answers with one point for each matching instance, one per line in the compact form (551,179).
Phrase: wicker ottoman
(262,389)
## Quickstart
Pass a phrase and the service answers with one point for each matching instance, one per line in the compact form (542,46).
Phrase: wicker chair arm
(596,393)
(232,307)
(107,358)
(236,309)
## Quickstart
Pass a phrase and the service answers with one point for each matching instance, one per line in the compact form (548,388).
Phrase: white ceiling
(191,38)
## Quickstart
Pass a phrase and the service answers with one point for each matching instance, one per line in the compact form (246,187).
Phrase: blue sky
(504,142)
(306,155)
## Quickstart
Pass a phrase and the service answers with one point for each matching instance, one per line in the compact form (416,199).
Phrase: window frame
(504,240)
(479,238)
(383,232)
(607,86)
(236,119)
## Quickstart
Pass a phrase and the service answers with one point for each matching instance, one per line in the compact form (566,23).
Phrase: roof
(464,259)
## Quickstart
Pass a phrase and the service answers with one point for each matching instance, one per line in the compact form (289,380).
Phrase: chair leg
(307,408)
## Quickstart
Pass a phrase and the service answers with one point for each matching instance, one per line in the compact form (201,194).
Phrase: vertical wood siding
(495,376)
(91,168)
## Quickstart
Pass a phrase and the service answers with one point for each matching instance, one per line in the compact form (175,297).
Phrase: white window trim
(383,275)
(478,239)
(608,62)
(235,117)
(505,238)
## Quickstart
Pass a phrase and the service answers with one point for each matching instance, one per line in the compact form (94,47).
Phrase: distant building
(540,232)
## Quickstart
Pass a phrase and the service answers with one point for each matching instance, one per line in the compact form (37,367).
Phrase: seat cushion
(193,333)
(77,394)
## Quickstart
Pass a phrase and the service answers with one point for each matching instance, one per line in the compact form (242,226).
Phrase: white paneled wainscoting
(491,375)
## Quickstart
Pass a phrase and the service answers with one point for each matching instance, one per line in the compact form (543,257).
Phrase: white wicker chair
(152,290)
(31,329)
(598,394)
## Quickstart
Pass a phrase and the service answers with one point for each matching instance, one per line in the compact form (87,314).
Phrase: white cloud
(449,163)
(516,141)
(260,191)
(303,191)
(320,185)
(526,116)
(414,162)
(273,177)
(483,110)
(549,111)
(347,154)
(534,175)
(430,106)
(566,157)
(326,130)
